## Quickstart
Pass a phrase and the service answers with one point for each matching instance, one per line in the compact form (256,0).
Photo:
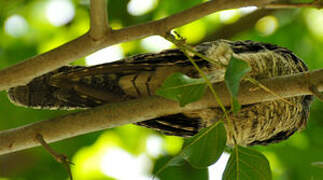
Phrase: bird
(81,87)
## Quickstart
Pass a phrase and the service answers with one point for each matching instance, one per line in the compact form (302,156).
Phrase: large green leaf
(206,147)
(235,71)
(202,150)
(247,164)
(182,88)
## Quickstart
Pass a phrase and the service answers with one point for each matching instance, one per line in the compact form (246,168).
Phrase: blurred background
(31,27)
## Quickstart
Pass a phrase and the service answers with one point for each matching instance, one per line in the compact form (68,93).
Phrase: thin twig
(255,82)
(61,158)
(190,49)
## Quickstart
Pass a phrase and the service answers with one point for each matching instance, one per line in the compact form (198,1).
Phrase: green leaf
(168,162)
(182,88)
(206,147)
(246,163)
(235,71)
(202,150)
(183,172)
(235,105)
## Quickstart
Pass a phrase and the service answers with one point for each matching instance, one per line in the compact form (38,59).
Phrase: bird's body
(73,87)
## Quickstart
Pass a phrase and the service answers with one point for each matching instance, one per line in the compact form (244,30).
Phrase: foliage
(182,88)
(235,71)
(245,163)
(291,159)
(183,172)
(198,151)
(205,148)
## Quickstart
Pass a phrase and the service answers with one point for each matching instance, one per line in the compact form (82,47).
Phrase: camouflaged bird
(71,87)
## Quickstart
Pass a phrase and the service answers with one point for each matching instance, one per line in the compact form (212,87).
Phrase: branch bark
(88,43)
(112,115)
(99,19)
(314,4)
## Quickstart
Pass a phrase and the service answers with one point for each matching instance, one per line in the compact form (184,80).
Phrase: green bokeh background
(300,30)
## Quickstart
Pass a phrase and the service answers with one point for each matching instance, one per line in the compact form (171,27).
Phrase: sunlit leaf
(182,88)
(246,163)
(235,71)
(206,147)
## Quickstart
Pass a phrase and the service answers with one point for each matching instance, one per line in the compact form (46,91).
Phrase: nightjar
(72,87)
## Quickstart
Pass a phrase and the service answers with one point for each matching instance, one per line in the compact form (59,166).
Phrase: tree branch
(314,4)
(99,19)
(112,115)
(25,71)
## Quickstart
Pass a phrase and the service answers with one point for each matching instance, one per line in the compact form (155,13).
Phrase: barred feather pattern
(74,87)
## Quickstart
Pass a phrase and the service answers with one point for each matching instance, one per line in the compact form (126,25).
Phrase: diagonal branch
(112,115)
(88,43)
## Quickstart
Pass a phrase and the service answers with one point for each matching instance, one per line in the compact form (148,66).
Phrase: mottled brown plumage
(73,87)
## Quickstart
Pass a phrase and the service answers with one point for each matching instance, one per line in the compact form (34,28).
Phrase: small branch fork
(99,19)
